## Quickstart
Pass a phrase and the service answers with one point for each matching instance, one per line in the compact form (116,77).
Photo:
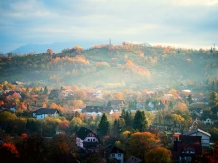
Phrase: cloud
(47,21)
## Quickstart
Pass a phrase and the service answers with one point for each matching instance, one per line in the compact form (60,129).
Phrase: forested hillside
(115,67)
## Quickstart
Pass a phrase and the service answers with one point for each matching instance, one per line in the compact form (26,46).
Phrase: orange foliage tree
(141,142)
(63,125)
(129,64)
(50,51)
(158,154)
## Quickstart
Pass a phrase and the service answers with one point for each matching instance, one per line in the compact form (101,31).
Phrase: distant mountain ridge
(57,47)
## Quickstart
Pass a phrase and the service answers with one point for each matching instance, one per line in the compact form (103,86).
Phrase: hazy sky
(181,23)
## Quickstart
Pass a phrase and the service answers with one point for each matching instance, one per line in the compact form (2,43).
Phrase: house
(86,139)
(139,105)
(208,121)
(117,104)
(150,105)
(133,159)
(186,92)
(205,137)
(113,152)
(98,110)
(10,107)
(44,112)
(90,95)
(186,148)
(168,96)
(16,94)
(59,94)
(97,94)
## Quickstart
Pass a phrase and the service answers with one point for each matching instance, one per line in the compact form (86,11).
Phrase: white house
(150,105)
(139,105)
(10,107)
(97,94)
(205,137)
(44,112)
(117,154)
(86,139)
(208,121)
(97,110)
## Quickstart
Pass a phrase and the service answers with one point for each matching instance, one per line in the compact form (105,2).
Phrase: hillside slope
(115,67)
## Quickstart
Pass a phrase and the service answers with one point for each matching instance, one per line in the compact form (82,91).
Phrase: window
(119,155)
(88,140)
(113,155)
(93,139)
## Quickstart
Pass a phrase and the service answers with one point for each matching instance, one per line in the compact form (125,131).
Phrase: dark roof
(8,106)
(83,132)
(46,111)
(116,150)
(10,93)
(195,131)
(190,139)
(117,102)
(133,159)
(113,149)
(97,109)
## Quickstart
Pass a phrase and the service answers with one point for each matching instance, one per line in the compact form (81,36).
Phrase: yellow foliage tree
(158,154)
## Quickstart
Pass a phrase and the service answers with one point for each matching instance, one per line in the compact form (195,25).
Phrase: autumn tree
(129,64)
(63,125)
(78,103)
(212,97)
(8,152)
(141,142)
(75,123)
(62,149)
(50,51)
(103,126)
(158,155)
(119,95)
(214,157)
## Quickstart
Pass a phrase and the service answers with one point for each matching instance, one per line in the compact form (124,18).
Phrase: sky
(177,23)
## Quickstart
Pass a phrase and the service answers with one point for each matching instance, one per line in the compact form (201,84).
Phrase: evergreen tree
(190,99)
(45,90)
(139,122)
(211,50)
(4,87)
(212,96)
(127,116)
(103,126)
(213,86)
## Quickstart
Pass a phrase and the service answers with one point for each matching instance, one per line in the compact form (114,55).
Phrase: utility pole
(109,42)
